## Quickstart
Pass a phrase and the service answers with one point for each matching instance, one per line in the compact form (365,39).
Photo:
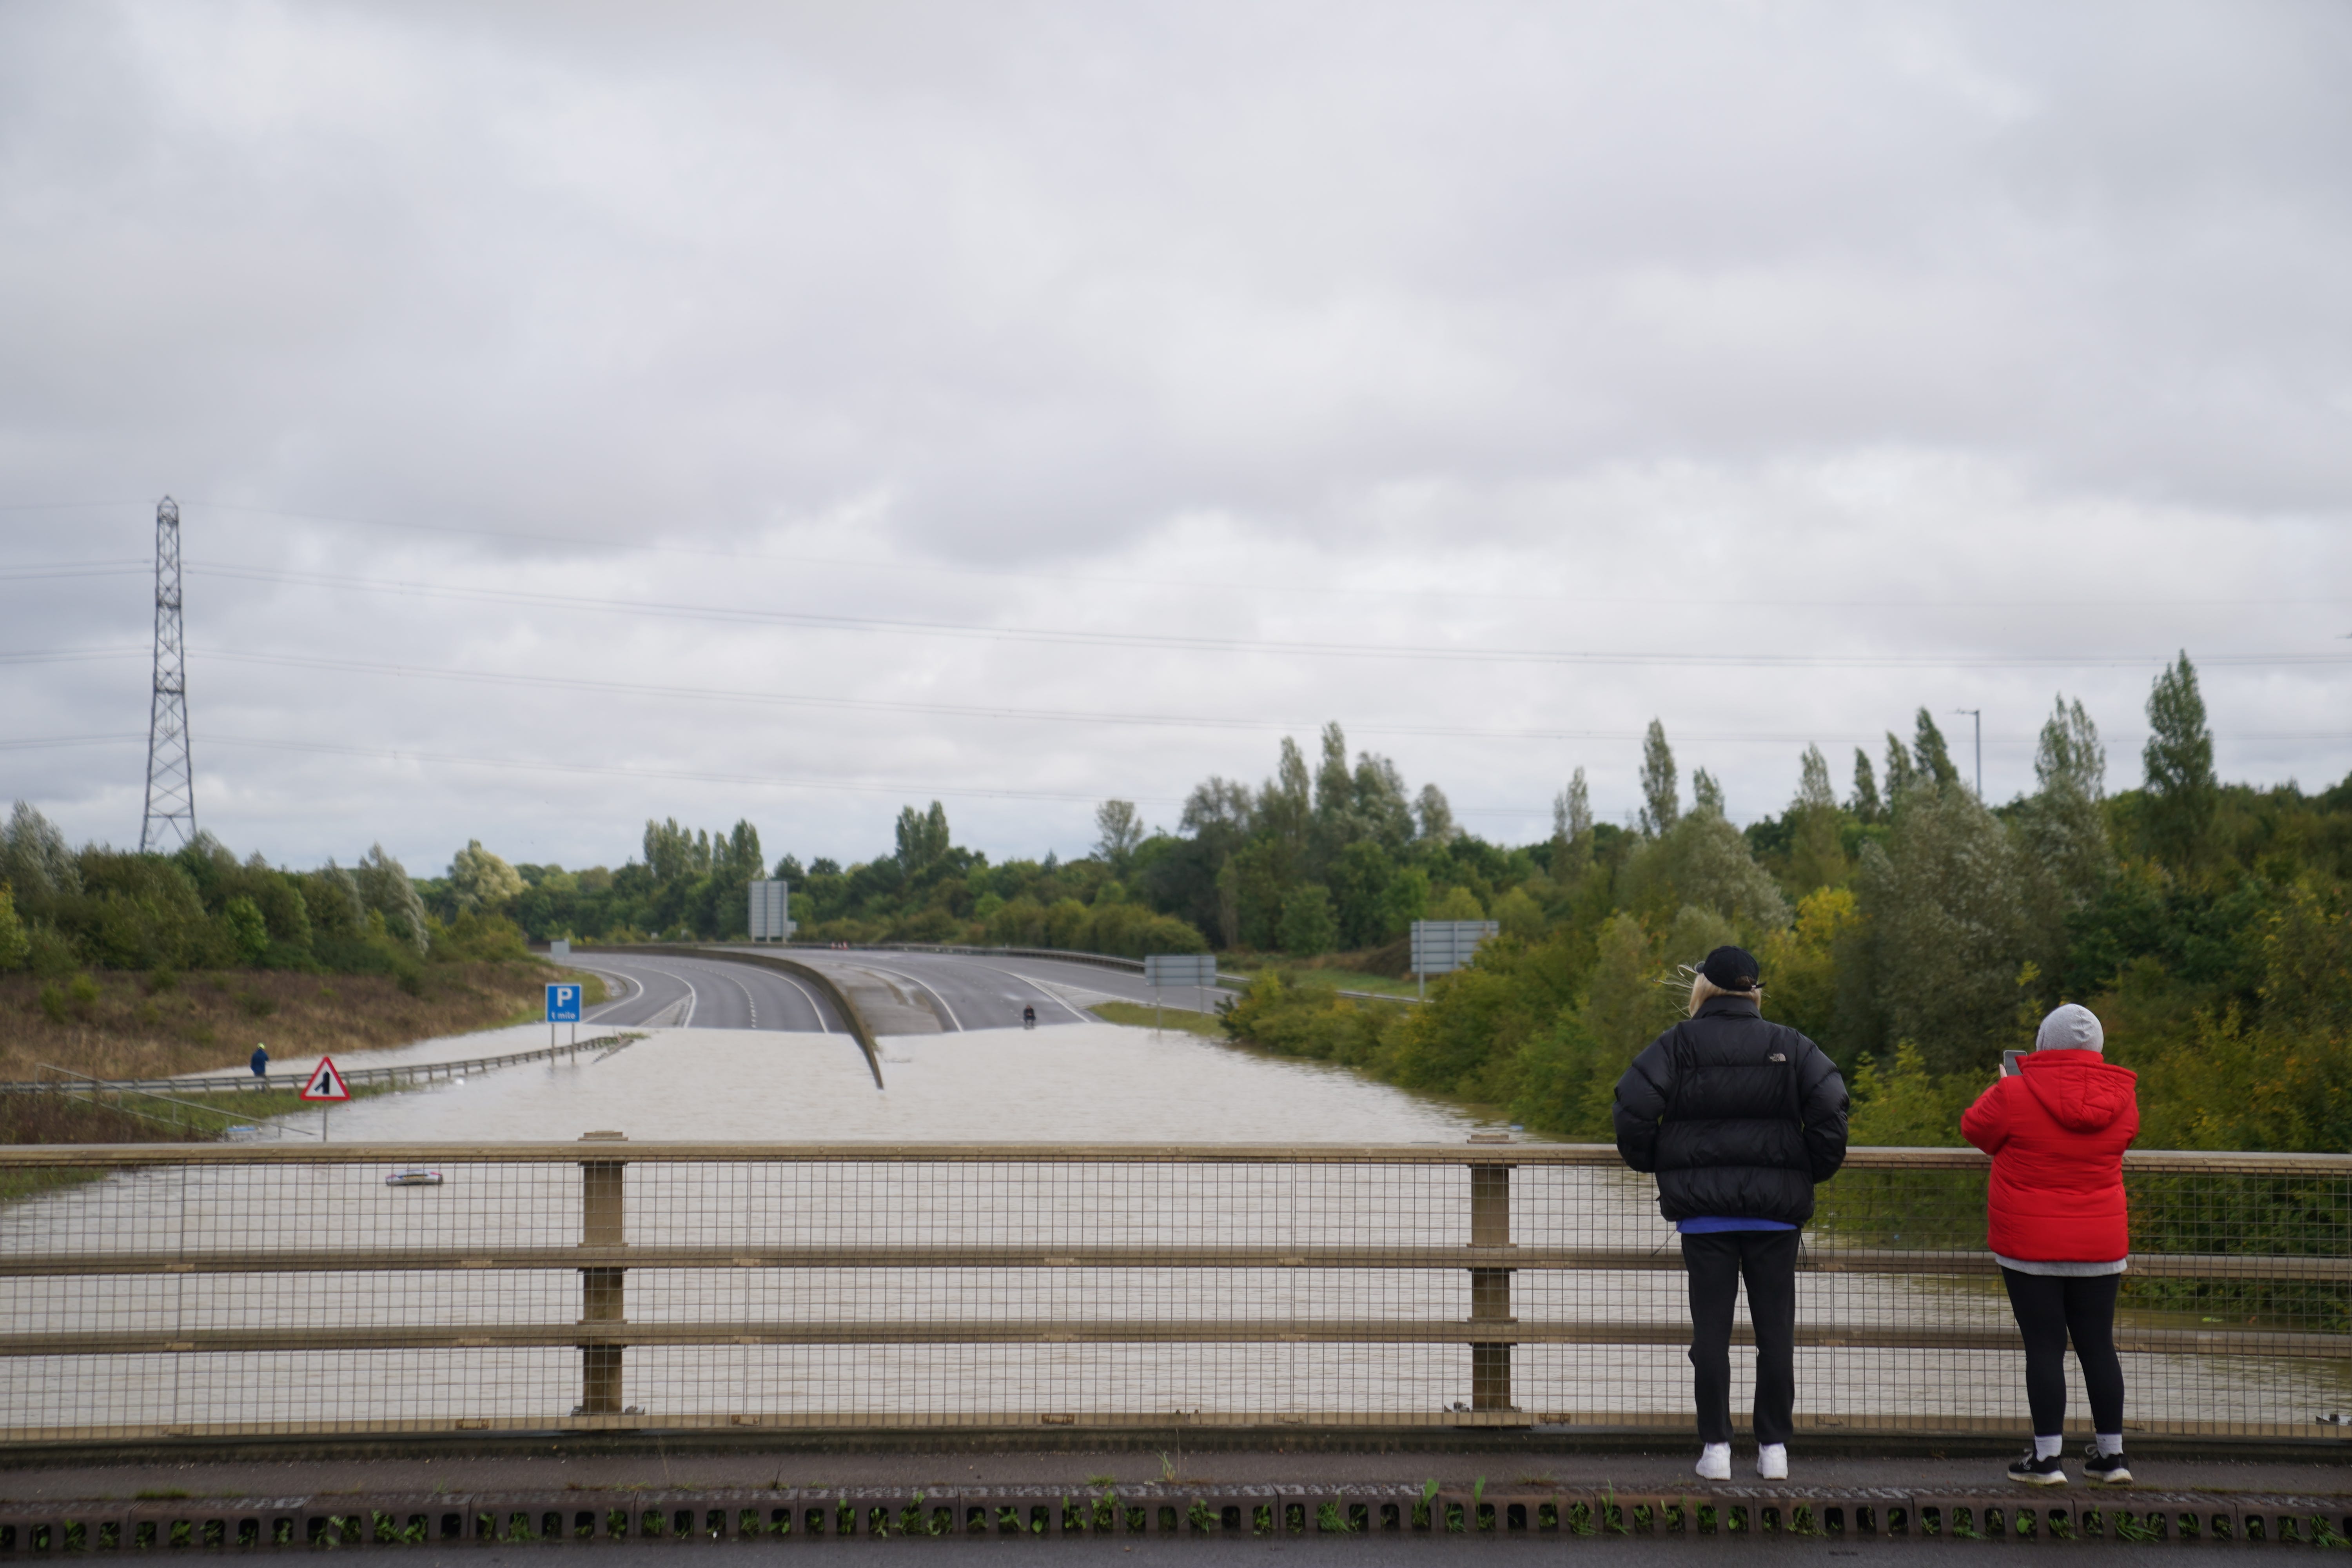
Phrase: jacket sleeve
(1642,1096)
(1823,1107)
(1985,1123)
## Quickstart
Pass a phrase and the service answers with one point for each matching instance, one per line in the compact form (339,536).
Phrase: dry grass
(121,1026)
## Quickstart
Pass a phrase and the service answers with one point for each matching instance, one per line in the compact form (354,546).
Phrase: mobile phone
(2012,1063)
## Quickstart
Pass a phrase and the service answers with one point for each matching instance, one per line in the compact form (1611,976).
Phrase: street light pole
(1977,714)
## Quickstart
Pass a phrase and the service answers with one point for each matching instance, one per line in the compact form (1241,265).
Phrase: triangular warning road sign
(326,1083)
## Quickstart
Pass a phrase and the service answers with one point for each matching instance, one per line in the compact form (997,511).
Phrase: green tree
(1660,792)
(246,929)
(2182,793)
(1948,930)
(1519,915)
(13,943)
(1117,829)
(1902,776)
(1625,1005)
(385,890)
(1458,904)
(1816,850)
(1571,833)
(923,838)
(1706,795)
(1865,804)
(480,880)
(1360,887)
(1307,926)
(1437,817)
(1704,861)
(1932,756)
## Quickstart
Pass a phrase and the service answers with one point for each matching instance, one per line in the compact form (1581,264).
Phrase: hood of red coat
(2082,1089)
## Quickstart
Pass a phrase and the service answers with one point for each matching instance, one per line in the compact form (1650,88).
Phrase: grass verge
(1138,1016)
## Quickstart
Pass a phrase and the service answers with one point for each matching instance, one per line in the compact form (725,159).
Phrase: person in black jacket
(1737,1118)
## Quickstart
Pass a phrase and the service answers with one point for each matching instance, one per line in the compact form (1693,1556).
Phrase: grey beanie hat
(2073,1027)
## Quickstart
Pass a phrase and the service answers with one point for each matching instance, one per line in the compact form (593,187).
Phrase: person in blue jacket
(260,1061)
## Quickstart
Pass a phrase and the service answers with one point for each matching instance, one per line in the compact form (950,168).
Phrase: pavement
(1080,1470)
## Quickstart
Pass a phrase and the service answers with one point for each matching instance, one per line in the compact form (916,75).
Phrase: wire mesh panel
(211,1289)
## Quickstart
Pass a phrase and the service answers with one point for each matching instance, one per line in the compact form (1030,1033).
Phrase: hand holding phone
(2012,1063)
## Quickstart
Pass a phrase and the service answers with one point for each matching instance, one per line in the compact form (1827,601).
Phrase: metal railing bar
(245,1083)
(1524,1155)
(1532,1259)
(1374,1330)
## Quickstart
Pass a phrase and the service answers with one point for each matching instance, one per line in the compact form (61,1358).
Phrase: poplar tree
(2182,794)
(1661,791)
(1935,758)
(1865,804)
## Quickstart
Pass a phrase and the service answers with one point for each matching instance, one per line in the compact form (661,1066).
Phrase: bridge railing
(160,1291)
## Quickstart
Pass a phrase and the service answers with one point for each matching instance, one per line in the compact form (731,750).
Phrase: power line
(1072,716)
(1052,636)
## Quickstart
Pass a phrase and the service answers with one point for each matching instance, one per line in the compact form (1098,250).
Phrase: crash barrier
(860,1029)
(1475,1512)
(168,1291)
(1106,959)
(62,1080)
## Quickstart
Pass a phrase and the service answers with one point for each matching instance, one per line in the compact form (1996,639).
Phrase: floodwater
(1029,1357)
(1076,1083)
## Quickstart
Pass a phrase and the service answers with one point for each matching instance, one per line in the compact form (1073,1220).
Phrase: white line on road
(942,1001)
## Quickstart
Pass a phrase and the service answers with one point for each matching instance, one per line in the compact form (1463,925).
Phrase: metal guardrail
(287,1083)
(189,1290)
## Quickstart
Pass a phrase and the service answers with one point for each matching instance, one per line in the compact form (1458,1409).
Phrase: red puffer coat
(2056,1133)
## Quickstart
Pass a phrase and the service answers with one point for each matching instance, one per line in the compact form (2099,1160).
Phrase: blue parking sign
(563,1004)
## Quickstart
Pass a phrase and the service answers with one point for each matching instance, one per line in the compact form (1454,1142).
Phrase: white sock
(2048,1447)
(2109,1442)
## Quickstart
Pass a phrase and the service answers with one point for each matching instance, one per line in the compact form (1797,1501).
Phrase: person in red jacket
(2056,1132)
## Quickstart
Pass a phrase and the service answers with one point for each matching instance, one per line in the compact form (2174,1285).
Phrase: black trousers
(1716,1262)
(2052,1309)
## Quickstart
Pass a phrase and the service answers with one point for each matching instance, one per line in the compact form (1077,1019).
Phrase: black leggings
(2050,1308)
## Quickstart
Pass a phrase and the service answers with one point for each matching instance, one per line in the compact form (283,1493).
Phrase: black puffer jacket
(1735,1115)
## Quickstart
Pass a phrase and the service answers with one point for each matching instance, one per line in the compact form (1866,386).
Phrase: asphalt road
(962,992)
(987,993)
(707,993)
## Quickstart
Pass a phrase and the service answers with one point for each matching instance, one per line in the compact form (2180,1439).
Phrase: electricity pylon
(171,779)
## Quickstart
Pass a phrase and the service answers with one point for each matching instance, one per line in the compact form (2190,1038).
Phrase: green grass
(1349,979)
(1138,1015)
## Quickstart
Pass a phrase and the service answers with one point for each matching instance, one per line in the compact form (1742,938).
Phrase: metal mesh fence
(219,1290)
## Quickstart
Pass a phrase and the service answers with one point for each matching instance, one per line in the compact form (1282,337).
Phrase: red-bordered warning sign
(326,1083)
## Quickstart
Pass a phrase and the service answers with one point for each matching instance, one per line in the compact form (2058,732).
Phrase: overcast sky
(1022,404)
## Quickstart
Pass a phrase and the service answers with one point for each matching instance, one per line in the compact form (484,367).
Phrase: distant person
(260,1060)
(1738,1118)
(2060,1230)
(1028,1016)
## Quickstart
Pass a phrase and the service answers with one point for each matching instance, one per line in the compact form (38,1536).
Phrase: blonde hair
(1702,988)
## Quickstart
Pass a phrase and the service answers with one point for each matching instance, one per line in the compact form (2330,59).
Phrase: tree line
(1915,931)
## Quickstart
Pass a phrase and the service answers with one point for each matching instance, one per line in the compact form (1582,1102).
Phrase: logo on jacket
(1776,1057)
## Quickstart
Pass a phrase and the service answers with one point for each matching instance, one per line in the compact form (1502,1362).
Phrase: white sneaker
(1714,1462)
(1772,1461)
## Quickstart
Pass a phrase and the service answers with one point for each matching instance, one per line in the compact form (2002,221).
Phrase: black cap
(1732,968)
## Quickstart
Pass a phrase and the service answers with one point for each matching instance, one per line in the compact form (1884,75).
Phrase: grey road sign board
(1180,969)
(1441,947)
(771,912)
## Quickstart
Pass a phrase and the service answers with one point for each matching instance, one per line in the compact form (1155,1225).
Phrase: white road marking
(942,1001)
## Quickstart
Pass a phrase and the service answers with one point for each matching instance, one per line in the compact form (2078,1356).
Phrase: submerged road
(705,994)
(988,991)
(959,991)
